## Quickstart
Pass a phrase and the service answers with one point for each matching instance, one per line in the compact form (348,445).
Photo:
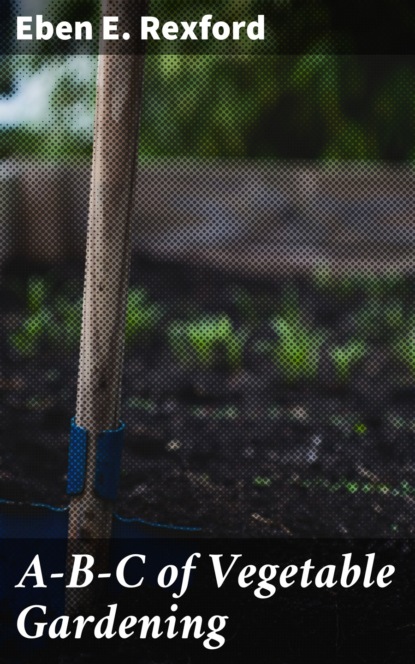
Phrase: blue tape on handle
(108,463)
(77,460)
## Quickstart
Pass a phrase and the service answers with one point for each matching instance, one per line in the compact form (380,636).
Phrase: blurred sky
(30,100)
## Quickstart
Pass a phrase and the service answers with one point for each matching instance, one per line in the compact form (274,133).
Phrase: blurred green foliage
(142,315)
(208,341)
(48,321)
(293,343)
(53,320)
(405,346)
(315,105)
(346,357)
(297,351)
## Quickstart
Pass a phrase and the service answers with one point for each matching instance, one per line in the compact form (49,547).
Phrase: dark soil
(235,453)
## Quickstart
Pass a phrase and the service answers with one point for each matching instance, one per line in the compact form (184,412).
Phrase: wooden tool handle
(108,258)
(109,232)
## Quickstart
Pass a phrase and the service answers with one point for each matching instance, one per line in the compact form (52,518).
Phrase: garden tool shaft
(114,166)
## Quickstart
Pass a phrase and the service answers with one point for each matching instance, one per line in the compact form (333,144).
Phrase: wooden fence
(249,216)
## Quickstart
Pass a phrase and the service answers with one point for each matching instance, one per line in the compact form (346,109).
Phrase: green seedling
(354,486)
(360,428)
(142,316)
(203,342)
(59,326)
(58,322)
(262,482)
(405,347)
(297,350)
(346,357)
(26,340)
(38,290)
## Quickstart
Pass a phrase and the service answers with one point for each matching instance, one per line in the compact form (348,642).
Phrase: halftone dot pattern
(269,365)
(319,27)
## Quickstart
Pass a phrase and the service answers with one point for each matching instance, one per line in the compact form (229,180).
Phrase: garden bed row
(260,445)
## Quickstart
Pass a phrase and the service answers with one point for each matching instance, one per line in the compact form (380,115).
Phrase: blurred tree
(312,104)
